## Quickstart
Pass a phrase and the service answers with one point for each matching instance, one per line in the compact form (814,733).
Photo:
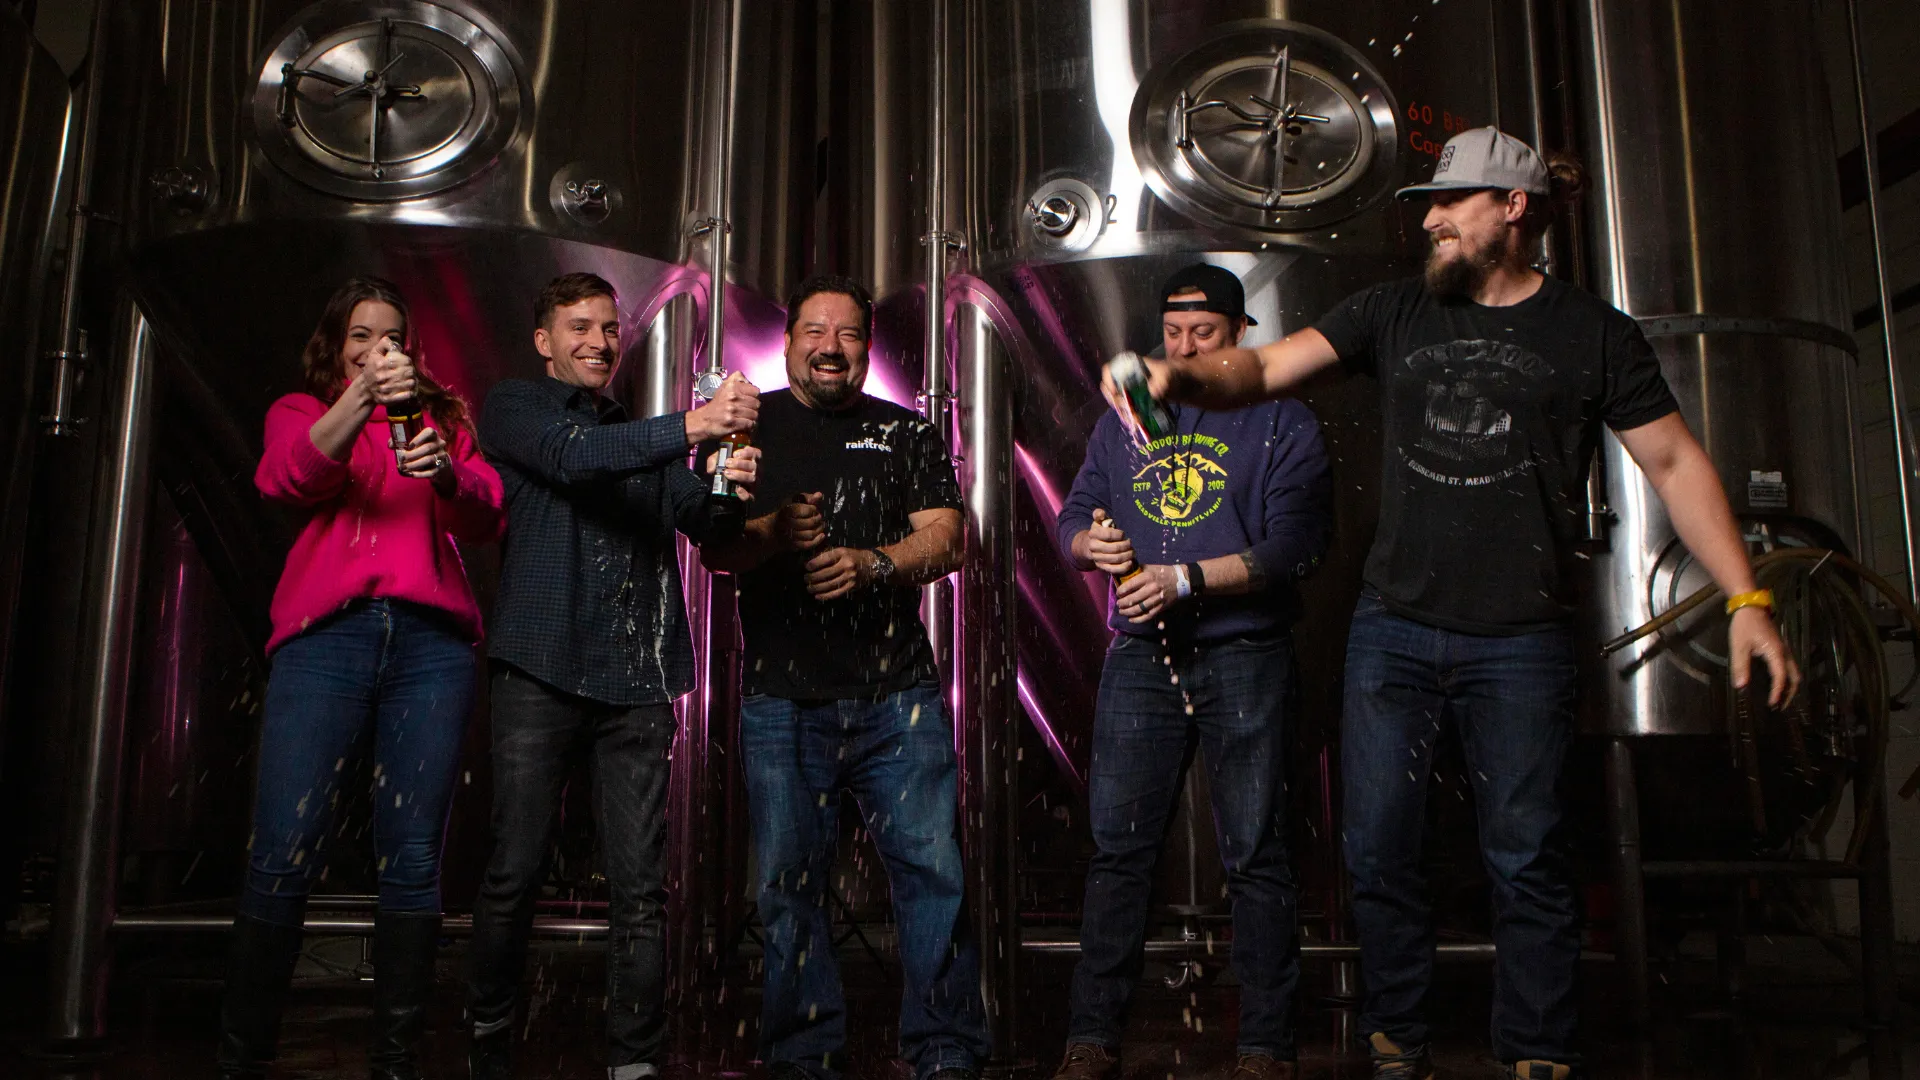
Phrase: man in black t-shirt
(1494,382)
(841,691)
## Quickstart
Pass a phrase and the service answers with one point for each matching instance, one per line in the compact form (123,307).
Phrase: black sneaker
(1390,1062)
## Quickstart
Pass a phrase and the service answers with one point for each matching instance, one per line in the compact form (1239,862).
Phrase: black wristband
(1196,579)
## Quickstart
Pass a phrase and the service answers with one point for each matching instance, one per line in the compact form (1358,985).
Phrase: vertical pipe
(720,144)
(86,880)
(71,353)
(936,392)
(709,609)
(667,351)
(987,729)
(1903,448)
(1629,882)
(1878,977)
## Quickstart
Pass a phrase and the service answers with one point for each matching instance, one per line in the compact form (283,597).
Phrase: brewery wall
(1890,34)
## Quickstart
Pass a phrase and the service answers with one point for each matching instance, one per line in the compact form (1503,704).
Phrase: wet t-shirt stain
(876,463)
(1490,416)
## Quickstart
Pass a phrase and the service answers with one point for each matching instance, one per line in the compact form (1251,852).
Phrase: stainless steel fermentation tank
(253,155)
(1024,171)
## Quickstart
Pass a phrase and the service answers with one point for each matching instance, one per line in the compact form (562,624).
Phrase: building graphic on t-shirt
(1463,433)
(1182,484)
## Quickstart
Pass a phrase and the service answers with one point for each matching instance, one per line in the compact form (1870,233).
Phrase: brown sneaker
(1392,1063)
(1262,1067)
(1088,1061)
(1537,1069)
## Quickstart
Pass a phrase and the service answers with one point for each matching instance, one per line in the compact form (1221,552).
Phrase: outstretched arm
(1231,378)
(1686,481)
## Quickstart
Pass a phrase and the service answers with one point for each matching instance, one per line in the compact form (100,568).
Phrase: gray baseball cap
(1484,158)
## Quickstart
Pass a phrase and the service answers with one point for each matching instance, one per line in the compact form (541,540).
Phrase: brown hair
(320,360)
(1566,183)
(568,290)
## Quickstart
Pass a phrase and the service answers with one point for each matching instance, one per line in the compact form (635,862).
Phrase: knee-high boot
(404,946)
(259,970)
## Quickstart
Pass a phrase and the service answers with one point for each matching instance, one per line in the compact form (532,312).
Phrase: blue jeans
(896,754)
(381,669)
(1240,691)
(1511,700)
(538,732)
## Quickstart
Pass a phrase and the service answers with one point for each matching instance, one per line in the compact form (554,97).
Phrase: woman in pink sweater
(374,634)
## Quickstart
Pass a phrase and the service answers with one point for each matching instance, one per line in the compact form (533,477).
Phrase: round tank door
(387,101)
(1270,125)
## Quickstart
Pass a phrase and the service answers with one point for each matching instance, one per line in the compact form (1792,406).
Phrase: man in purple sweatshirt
(1219,517)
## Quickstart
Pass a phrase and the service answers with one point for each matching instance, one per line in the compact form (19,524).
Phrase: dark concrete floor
(1797,1018)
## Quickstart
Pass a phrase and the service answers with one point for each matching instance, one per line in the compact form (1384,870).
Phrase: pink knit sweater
(371,532)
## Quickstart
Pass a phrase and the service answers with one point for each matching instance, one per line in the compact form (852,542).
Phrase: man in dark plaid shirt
(590,647)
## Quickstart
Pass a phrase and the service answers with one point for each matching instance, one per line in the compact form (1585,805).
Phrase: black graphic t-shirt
(1490,417)
(876,463)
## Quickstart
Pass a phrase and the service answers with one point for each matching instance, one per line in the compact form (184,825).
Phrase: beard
(832,394)
(1459,277)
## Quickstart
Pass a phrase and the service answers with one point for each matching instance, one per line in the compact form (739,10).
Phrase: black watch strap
(1196,579)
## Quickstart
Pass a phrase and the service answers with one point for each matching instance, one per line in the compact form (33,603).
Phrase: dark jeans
(1240,691)
(1511,700)
(381,670)
(537,733)
(896,754)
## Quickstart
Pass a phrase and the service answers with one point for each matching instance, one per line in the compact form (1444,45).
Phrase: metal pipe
(70,357)
(1880,983)
(690,795)
(344,925)
(1629,881)
(719,145)
(936,396)
(668,352)
(1471,950)
(987,709)
(1804,868)
(86,881)
(1903,449)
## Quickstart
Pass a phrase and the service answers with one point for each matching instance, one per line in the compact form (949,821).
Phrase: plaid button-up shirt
(590,600)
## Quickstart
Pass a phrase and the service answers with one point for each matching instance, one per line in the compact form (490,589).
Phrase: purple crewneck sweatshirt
(1252,479)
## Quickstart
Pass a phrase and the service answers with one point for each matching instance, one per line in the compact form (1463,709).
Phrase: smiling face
(371,322)
(1192,333)
(827,351)
(1473,233)
(581,342)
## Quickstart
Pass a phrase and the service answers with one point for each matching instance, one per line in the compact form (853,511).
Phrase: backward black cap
(1224,293)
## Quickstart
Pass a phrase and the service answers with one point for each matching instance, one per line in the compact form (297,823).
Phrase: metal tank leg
(1879,979)
(1629,884)
(986,709)
(87,878)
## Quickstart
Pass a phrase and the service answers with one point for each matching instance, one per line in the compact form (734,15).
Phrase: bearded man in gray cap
(1494,383)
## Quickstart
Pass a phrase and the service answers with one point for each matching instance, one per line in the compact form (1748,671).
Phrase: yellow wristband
(1762,598)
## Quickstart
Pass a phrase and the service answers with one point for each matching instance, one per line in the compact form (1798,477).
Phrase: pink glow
(1050,499)
(1041,724)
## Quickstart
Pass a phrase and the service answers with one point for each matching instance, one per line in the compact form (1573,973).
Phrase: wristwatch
(882,568)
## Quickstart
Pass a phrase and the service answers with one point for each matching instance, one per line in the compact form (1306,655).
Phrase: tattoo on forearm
(1256,575)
